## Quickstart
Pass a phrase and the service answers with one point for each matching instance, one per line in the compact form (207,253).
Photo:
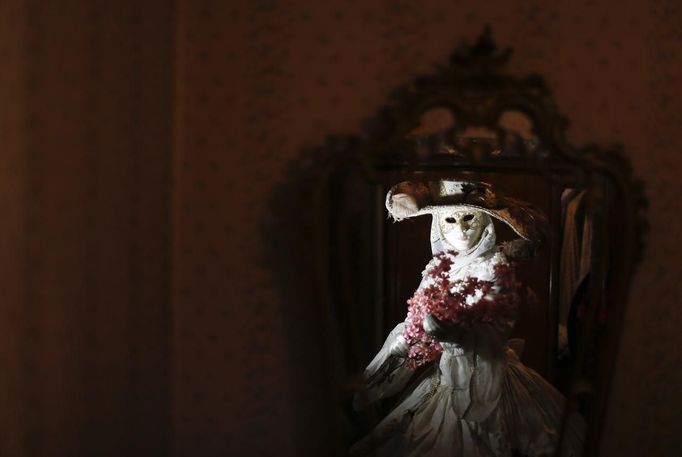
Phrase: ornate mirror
(355,269)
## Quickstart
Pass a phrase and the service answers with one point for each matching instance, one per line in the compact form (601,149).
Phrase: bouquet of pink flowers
(463,302)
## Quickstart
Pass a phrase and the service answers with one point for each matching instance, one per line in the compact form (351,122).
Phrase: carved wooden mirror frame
(324,258)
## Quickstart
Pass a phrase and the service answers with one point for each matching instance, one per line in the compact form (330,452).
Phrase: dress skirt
(444,415)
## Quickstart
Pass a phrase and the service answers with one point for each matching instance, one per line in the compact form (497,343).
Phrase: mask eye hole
(450,220)
(468,217)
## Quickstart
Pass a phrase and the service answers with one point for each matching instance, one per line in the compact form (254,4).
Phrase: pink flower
(466,301)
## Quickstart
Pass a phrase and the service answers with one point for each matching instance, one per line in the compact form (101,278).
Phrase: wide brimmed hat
(409,199)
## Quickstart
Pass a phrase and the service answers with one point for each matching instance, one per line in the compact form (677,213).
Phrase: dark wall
(141,142)
(85,121)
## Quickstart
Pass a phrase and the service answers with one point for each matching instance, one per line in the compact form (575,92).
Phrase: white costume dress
(478,399)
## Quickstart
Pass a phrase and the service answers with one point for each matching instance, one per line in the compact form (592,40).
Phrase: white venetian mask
(462,228)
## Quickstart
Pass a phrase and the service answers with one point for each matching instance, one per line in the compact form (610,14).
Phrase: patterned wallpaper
(142,142)
(259,80)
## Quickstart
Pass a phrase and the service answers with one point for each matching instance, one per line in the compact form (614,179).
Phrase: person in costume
(473,396)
